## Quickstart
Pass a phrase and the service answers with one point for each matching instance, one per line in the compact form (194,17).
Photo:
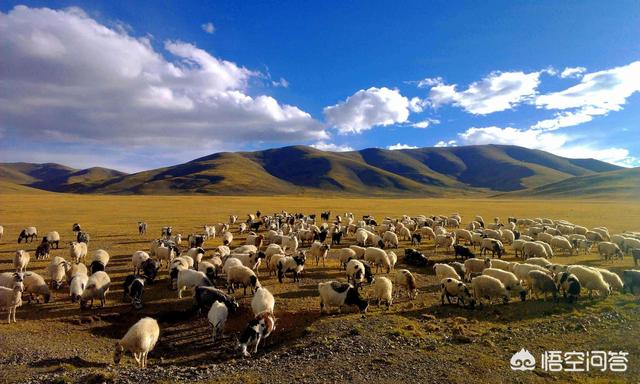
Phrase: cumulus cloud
(429,82)
(331,147)
(208,27)
(64,77)
(425,123)
(443,143)
(401,146)
(368,108)
(497,92)
(572,72)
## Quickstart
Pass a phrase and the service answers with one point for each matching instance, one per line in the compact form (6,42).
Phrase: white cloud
(430,82)
(417,104)
(497,92)
(331,147)
(280,83)
(401,146)
(208,27)
(556,143)
(425,123)
(572,72)
(368,108)
(66,78)
(442,143)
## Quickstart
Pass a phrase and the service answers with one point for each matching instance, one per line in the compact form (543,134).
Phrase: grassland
(414,341)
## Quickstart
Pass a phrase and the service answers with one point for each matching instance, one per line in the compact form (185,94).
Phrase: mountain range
(481,170)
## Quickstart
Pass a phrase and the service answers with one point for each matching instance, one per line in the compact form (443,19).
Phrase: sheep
(517,246)
(139,340)
(272,249)
(393,259)
(28,233)
(56,272)
(604,232)
(459,267)
(319,251)
(404,233)
(545,237)
(82,237)
(495,246)
(241,275)
(405,279)
(35,285)
(445,271)
(390,239)
(490,288)
(556,268)
(294,264)
(462,251)
(196,253)
(383,291)
(42,251)
(99,260)
(242,227)
(630,244)
(11,299)
(463,234)
(166,253)
(217,317)
(188,278)
(262,301)
(77,286)
(378,257)
(21,260)
(455,289)
(569,285)
(631,278)
(508,237)
(561,243)
(247,248)
(522,271)
(230,263)
(501,264)
(445,240)
(361,237)
(510,281)
(590,279)
(137,259)
(205,296)
(547,248)
(608,250)
(614,281)
(541,282)
(358,250)
(133,289)
(208,269)
(8,279)
(290,244)
(142,228)
(257,329)
(358,271)
(77,251)
(593,236)
(97,288)
(533,249)
(251,260)
(74,269)
(227,238)
(541,261)
(475,265)
(336,294)
(52,238)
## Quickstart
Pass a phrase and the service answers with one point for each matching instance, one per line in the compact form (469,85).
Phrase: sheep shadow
(75,361)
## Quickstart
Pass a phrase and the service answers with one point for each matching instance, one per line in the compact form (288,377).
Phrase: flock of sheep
(283,243)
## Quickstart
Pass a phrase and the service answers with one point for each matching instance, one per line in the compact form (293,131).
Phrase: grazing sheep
(358,250)
(257,329)
(230,263)
(272,266)
(188,278)
(208,269)
(508,237)
(294,264)
(541,261)
(593,236)
(217,317)
(11,299)
(262,301)
(390,239)
(445,240)
(97,288)
(608,250)
(206,296)
(604,232)
(227,238)
(272,249)
(251,260)
(631,278)
(522,271)
(42,251)
(336,294)
(540,282)
(455,289)
(630,244)
(475,265)
(56,272)
(290,244)
(614,281)
(243,276)
(346,254)
(99,260)
(358,271)
(493,245)
(501,264)
(590,279)
(383,291)
(490,288)
(556,268)
(52,238)
(133,289)
(533,249)
(393,259)
(35,285)
(378,257)
(139,340)
(72,269)
(569,285)
(561,243)
(405,279)
(29,234)
(445,271)
(78,251)
(459,267)
(319,251)
(510,281)
(21,260)
(462,251)
(77,286)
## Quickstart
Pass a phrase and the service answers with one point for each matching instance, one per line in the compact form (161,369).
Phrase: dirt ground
(417,341)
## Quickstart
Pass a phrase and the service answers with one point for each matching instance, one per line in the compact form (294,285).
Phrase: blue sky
(136,85)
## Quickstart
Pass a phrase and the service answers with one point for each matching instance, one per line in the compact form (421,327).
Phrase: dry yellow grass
(111,221)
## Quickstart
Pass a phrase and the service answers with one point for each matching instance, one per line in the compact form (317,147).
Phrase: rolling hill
(427,172)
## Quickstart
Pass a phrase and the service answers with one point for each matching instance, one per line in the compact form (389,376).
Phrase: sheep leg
(9,316)
(15,309)
(255,348)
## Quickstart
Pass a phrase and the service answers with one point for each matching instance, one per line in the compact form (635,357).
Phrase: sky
(145,84)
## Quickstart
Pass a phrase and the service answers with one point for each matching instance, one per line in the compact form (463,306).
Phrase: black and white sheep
(243,276)
(133,290)
(262,301)
(205,296)
(337,294)
(569,285)
(188,278)
(404,279)
(293,264)
(455,289)
(99,260)
(28,234)
(510,281)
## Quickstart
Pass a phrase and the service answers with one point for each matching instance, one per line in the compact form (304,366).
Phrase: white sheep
(272,249)
(222,251)
(262,301)
(445,271)
(608,250)
(56,272)
(475,266)
(319,251)
(547,247)
(336,294)
(541,282)
(405,279)
(164,253)
(74,269)
(561,243)
(510,281)
(452,288)
(590,279)
(378,257)
(78,251)
(383,291)
(614,281)
(356,271)
(188,278)
(489,288)
(361,237)
(11,299)
(35,285)
(501,264)
(230,263)
(52,238)
(196,253)
(77,285)
(243,276)
(139,340)
(522,271)
(358,250)
(393,259)
(272,266)
(227,238)
(97,288)
(99,260)
(137,259)
(21,260)
(251,260)
(533,249)
(541,261)
(217,317)
(390,239)
(246,248)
